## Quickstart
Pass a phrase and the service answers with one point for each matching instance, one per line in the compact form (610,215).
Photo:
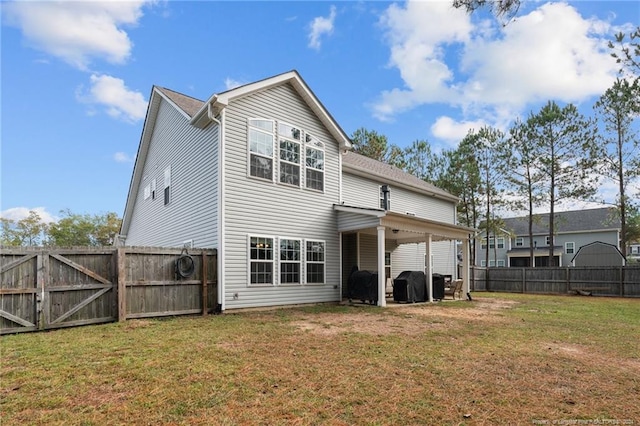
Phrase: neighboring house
(633,255)
(598,254)
(263,174)
(574,229)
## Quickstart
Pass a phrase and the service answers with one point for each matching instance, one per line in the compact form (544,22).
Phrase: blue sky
(76,76)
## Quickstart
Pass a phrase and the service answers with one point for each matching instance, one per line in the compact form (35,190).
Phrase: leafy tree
(627,54)
(72,230)
(524,178)
(491,152)
(460,176)
(107,227)
(370,144)
(564,143)
(617,108)
(420,161)
(29,231)
(8,233)
(497,7)
(84,230)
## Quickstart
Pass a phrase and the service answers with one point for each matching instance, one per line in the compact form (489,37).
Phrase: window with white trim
(569,247)
(483,263)
(483,244)
(500,263)
(261,148)
(261,260)
(547,240)
(492,263)
(500,242)
(289,147)
(382,204)
(492,243)
(167,185)
(290,261)
(519,241)
(314,164)
(315,262)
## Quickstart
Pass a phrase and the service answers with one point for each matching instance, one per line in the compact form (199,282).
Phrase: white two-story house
(510,246)
(264,174)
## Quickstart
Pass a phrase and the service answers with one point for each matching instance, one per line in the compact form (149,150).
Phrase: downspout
(221,205)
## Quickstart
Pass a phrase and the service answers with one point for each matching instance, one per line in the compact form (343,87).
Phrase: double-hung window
(261,148)
(315,262)
(289,147)
(569,247)
(261,260)
(314,163)
(500,241)
(519,241)
(290,261)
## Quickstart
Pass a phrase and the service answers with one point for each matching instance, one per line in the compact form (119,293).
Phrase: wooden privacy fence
(622,281)
(42,289)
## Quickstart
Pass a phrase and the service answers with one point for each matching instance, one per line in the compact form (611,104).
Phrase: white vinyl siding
(264,207)
(192,214)
(362,192)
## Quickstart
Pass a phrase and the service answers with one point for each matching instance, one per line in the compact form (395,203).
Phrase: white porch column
(382,301)
(466,276)
(428,267)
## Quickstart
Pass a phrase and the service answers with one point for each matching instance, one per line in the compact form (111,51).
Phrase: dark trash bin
(438,286)
(410,286)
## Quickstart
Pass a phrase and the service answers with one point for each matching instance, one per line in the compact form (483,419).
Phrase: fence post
(622,270)
(568,278)
(205,290)
(524,281)
(122,284)
(42,278)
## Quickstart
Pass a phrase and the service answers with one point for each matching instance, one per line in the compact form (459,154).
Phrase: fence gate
(51,289)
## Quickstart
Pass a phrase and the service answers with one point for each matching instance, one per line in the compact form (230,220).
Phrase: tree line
(553,155)
(71,230)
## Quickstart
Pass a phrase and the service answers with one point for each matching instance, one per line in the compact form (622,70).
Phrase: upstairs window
(289,145)
(261,148)
(167,185)
(500,242)
(569,247)
(519,241)
(314,168)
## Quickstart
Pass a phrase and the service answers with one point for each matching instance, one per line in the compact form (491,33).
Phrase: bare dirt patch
(404,319)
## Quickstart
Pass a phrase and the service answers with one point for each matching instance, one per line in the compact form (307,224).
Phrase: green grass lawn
(501,359)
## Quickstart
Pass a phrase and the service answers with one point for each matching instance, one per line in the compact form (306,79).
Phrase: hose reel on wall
(185,265)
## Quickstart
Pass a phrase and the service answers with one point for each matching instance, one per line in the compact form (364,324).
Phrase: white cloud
(119,100)
(19,213)
(79,30)
(230,83)
(452,131)
(321,26)
(488,71)
(122,157)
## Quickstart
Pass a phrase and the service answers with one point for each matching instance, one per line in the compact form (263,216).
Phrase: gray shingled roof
(393,173)
(186,103)
(570,221)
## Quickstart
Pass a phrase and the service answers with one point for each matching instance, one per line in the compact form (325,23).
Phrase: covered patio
(404,229)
